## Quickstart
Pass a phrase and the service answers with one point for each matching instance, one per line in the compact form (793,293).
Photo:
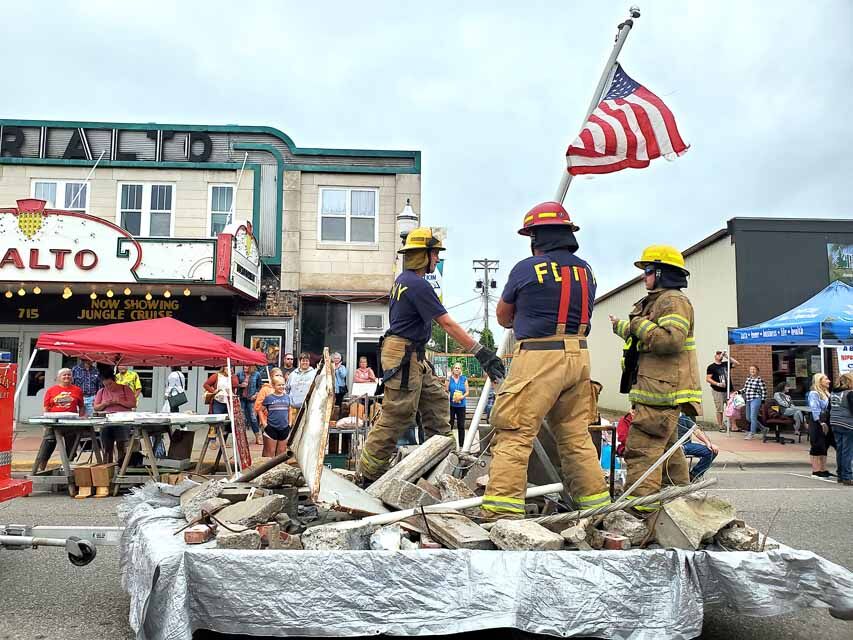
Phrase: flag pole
(566,180)
(603,84)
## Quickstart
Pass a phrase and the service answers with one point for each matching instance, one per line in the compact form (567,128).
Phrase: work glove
(492,365)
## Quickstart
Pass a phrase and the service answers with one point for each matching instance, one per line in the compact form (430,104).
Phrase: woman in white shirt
(175,384)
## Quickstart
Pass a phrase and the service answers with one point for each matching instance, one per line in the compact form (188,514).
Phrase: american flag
(630,127)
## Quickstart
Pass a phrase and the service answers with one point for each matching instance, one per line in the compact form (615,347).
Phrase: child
(274,419)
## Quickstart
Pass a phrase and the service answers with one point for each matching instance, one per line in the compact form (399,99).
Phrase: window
(221,201)
(146,209)
(62,194)
(795,366)
(348,215)
(323,323)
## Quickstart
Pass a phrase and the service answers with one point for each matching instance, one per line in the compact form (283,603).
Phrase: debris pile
(270,507)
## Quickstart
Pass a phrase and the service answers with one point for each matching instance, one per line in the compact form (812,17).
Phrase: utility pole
(486,284)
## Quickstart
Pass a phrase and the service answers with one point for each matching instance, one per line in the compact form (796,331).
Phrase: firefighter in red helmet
(548,302)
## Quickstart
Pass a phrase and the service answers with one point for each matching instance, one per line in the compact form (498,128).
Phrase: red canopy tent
(161,342)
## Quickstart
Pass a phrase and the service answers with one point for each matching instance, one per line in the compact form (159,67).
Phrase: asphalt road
(42,596)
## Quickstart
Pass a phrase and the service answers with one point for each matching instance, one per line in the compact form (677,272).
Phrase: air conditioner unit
(373,321)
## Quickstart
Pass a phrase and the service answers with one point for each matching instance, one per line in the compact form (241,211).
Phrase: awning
(161,342)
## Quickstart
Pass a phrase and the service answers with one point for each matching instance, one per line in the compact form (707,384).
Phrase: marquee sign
(39,245)
(47,245)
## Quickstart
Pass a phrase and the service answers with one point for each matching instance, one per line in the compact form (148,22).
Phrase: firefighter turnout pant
(653,431)
(552,383)
(423,391)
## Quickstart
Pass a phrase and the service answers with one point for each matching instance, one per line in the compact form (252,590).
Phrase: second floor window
(62,194)
(348,215)
(146,209)
(221,200)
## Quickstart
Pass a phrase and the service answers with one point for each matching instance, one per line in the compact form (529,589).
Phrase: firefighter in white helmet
(409,382)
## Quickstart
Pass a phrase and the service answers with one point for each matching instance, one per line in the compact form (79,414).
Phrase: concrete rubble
(240,538)
(686,523)
(416,464)
(192,499)
(252,512)
(342,536)
(524,535)
(401,495)
(280,476)
(624,524)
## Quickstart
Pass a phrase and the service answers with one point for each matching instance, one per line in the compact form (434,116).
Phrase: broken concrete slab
(192,499)
(240,539)
(738,538)
(401,494)
(352,535)
(524,535)
(430,488)
(253,512)
(576,535)
(340,493)
(311,430)
(387,538)
(281,476)
(288,542)
(684,523)
(240,491)
(452,530)
(416,464)
(452,489)
(624,524)
(214,505)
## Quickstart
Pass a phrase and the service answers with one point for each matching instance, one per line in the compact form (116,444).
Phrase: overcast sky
(490,92)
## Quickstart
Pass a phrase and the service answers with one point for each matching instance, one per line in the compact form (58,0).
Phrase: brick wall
(274,302)
(748,355)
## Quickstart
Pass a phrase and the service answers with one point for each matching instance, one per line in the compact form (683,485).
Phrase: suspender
(565,300)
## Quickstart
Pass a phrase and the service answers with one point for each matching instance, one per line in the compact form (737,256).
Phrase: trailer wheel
(81,552)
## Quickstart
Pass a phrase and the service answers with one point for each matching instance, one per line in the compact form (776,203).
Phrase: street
(45,596)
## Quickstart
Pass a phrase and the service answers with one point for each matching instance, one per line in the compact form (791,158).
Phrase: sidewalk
(735,450)
(25,446)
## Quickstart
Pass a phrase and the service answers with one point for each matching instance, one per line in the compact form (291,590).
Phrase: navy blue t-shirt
(414,305)
(534,287)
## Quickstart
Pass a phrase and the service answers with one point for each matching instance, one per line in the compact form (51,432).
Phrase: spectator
(175,384)
(841,421)
(288,365)
(129,378)
(64,396)
(113,398)
(457,387)
(266,389)
(754,391)
(86,376)
(340,378)
(363,373)
(787,408)
(704,450)
(820,436)
(717,376)
(249,384)
(298,384)
(216,389)
(275,418)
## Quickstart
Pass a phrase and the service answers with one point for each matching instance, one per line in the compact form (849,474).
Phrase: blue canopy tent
(824,319)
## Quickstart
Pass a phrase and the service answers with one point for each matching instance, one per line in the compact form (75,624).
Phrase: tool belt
(548,345)
(417,348)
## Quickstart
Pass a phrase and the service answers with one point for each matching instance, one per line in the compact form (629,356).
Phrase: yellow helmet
(661,254)
(421,238)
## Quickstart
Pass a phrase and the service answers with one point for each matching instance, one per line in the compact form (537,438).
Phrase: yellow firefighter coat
(668,373)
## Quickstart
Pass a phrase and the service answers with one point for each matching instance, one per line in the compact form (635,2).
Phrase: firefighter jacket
(667,371)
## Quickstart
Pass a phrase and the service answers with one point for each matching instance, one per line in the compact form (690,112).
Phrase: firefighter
(410,384)
(660,372)
(548,302)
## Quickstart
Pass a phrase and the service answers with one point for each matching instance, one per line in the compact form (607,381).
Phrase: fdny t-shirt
(534,288)
(414,305)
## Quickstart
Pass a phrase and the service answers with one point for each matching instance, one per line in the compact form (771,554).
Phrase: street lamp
(407,220)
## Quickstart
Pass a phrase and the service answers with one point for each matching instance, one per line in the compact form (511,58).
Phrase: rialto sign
(48,245)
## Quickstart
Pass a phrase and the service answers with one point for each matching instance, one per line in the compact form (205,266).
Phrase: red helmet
(547,213)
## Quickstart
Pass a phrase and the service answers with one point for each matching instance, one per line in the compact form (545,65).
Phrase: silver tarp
(176,589)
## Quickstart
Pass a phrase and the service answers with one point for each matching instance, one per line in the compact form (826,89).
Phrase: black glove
(492,365)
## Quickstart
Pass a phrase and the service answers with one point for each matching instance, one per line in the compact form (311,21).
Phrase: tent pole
(728,390)
(231,417)
(21,379)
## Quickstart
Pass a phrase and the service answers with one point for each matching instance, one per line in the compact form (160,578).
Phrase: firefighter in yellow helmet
(547,300)
(660,372)
(410,384)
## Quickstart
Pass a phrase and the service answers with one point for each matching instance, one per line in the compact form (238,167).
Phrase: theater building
(230,228)
(751,271)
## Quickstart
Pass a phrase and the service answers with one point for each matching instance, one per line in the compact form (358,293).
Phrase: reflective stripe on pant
(425,393)
(653,431)
(550,384)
